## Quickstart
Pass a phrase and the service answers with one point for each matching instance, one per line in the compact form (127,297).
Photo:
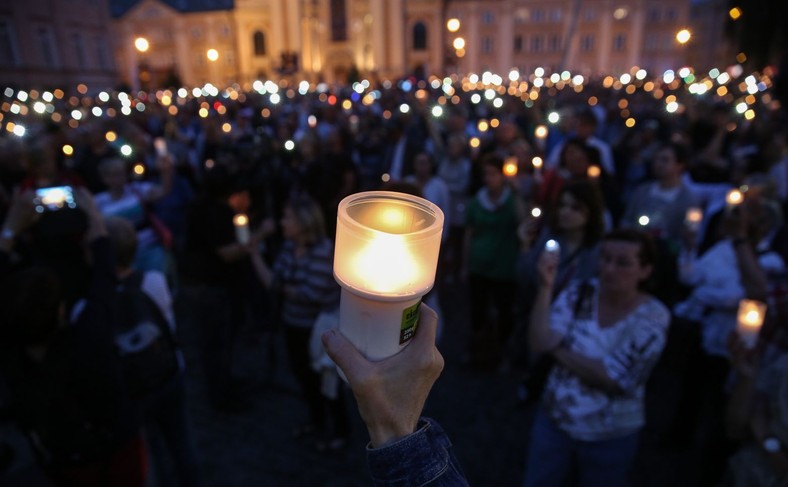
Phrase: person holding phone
(130,200)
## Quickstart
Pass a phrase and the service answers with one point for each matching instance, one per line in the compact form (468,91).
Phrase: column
(278,40)
(396,20)
(603,42)
(470,31)
(635,41)
(505,42)
(379,60)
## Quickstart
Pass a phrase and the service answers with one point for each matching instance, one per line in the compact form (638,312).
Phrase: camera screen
(54,198)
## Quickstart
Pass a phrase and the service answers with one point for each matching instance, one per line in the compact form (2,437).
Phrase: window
(79,50)
(652,42)
(589,15)
(338,21)
(538,15)
(488,17)
(419,37)
(258,40)
(518,43)
(521,15)
(8,53)
(587,43)
(229,58)
(46,45)
(555,15)
(554,43)
(225,30)
(536,44)
(619,42)
(653,14)
(670,14)
(101,54)
(196,33)
(487,45)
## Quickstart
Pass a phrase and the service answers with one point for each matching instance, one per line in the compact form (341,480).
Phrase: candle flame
(734,197)
(537,162)
(240,220)
(593,172)
(386,264)
(510,168)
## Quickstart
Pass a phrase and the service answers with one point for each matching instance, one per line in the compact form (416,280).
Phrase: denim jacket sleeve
(421,458)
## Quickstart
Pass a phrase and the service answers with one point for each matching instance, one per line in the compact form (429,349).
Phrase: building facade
(585,36)
(339,40)
(55,44)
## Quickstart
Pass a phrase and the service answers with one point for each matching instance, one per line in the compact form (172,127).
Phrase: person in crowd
(586,124)
(454,168)
(576,158)
(731,270)
(218,266)
(131,200)
(577,225)
(491,248)
(755,411)
(161,393)
(61,365)
(605,336)
(665,200)
(404,448)
(302,275)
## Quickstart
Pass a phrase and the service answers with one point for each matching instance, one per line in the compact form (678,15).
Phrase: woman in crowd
(605,337)
(130,200)
(490,256)
(302,275)
(577,224)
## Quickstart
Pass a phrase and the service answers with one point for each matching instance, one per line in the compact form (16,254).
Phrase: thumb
(342,352)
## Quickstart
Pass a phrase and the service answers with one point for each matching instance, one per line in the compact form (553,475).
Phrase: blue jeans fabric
(422,458)
(553,455)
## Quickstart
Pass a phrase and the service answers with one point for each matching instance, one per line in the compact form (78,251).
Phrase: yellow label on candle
(410,321)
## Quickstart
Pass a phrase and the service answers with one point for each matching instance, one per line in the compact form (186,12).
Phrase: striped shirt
(312,275)
(628,349)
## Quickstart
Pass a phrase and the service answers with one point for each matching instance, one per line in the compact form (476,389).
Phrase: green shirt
(494,245)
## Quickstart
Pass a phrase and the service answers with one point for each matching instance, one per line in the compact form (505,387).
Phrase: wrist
(381,435)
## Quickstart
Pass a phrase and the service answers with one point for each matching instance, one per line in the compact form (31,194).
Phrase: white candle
(537,162)
(693,218)
(241,223)
(750,320)
(385,259)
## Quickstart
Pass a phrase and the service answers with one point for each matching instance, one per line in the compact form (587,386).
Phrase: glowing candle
(644,220)
(536,212)
(733,199)
(693,218)
(385,259)
(241,223)
(593,172)
(750,320)
(537,162)
(510,167)
(552,246)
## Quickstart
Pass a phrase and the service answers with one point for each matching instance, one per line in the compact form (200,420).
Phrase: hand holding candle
(749,321)
(241,222)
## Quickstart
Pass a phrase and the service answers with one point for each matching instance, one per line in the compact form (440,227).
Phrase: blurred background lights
(553,117)
(125,149)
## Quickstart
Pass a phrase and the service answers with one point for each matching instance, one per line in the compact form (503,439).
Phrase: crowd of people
(604,256)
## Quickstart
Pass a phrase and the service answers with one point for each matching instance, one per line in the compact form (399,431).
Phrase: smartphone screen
(54,198)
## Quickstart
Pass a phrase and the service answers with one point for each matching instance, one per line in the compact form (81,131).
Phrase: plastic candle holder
(385,259)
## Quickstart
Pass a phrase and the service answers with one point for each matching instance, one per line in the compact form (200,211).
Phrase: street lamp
(683,36)
(212,54)
(141,44)
(453,25)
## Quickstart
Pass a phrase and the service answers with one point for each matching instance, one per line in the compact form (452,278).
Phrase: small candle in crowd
(733,198)
(536,212)
(552,246)
(241,223)
(693,218)
(139,170)
(537,162)
(594,172)
(510,167)
(750,320)
(644,220)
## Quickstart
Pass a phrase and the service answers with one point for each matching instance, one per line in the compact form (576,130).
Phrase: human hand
(391,393)
(547,268)
(22,212)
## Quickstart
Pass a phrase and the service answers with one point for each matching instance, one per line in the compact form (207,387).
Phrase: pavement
(478,409)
